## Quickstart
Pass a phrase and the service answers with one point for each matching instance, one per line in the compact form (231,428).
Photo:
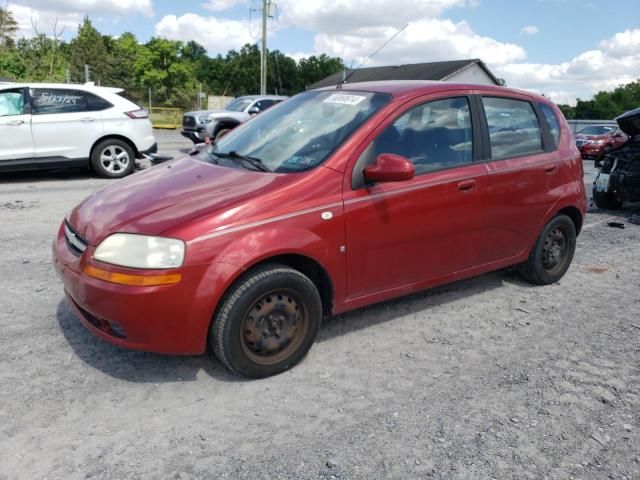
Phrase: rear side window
(513,127)
(552,123)
(96,103)
(434,135)
(49,100)
(11,103)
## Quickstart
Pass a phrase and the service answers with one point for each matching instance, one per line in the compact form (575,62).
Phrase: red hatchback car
(335,199)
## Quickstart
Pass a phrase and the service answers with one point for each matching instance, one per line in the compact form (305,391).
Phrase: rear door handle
(550,169)
(467,185)
(88,119)
(15,123)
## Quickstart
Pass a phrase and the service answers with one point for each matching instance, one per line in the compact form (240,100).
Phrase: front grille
(188,121)
(75,242)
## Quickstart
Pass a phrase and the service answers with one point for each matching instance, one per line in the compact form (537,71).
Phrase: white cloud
(529,30)
(423,41)
(616,63)
(43,20)
(217,35)
(333,17)
(84,7)
(221,5)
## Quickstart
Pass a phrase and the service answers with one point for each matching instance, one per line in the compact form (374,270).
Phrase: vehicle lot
(489,377)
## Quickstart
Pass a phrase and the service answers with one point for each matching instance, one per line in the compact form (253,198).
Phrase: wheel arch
(575,215)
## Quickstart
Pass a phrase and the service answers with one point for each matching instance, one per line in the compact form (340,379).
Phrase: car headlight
(141,251)
(598,142)
(204,119)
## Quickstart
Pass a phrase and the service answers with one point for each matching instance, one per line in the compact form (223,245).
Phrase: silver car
(196,126)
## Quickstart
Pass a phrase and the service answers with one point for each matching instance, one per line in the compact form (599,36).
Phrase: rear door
(65,124)
(522,173)
(400,233)
(15,125)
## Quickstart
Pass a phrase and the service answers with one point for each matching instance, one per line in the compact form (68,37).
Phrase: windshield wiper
(253,161)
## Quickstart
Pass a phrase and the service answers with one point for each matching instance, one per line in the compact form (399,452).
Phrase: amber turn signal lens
(132,280)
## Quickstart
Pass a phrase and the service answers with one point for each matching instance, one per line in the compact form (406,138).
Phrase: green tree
(8,28)
(315,68)
(88,48)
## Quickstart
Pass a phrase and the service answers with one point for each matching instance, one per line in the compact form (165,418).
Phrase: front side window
(552,122)
(47,101)
(434,135)
(239,104)
(11,103)
(513,127)
(303,131)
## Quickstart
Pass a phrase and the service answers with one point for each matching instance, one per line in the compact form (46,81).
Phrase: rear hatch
(629,122)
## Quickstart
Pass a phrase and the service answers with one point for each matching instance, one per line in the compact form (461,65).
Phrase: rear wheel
(267,322)
(113,158)
(552,253)
(606,200)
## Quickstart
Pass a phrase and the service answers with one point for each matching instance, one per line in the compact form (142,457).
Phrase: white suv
(53,125)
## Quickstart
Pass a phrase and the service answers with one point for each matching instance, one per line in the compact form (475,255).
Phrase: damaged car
(618,179)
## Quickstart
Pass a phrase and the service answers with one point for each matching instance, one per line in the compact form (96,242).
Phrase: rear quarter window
(513,125)
(552,122)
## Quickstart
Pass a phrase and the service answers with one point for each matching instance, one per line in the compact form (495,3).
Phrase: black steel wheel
(552,253)
(267,321)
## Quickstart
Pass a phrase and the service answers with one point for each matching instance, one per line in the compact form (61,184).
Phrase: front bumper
(164,319)
(592,150)
(196,136)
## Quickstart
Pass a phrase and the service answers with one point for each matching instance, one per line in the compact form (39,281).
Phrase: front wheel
(267,322)
(552,253)
(113,158)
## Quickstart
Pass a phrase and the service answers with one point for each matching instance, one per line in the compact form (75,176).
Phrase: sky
(566,49)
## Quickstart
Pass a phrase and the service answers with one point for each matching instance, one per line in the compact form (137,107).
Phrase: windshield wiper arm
(253,161)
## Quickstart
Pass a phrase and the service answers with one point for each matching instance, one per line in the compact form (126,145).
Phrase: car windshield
(239,104)
(597,130)
(300,133)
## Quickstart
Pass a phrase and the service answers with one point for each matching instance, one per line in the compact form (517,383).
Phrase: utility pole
(86,73)
(263,53)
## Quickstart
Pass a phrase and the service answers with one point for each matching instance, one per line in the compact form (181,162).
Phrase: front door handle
(467,185)
(15,123)
(88,119)
(550,169)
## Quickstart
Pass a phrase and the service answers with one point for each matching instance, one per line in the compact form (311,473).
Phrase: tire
(606,200)
(221,133)
(257,344)
(552,253)
(113,158)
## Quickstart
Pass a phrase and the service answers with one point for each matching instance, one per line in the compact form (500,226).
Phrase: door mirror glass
(390,168)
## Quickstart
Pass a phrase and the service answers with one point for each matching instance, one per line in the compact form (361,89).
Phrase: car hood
(629,122)
(162,197)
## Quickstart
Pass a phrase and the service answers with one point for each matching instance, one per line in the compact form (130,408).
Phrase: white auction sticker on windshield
(344,99)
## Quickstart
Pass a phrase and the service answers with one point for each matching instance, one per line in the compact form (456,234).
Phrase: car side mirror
(253,111)
(390,168)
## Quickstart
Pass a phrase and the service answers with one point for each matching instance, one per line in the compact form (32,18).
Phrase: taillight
(137,114)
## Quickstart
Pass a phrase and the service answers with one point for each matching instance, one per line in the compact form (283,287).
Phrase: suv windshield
(300,133)
(597,130)
(239,104)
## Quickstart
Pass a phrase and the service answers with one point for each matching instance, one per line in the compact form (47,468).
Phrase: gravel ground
(485,378)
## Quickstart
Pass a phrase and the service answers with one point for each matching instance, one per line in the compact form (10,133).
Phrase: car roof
(88,87)
(266,97)
(399,88)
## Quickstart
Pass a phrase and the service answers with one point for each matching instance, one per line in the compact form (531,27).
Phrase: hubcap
(114,159)
(554,250)
(274,327)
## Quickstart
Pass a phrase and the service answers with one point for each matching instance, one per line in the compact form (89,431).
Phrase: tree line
(174,71)
(605,105)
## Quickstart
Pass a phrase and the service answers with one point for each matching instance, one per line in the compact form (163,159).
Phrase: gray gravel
(485,378)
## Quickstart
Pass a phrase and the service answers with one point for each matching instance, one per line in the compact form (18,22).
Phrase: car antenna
(346,77)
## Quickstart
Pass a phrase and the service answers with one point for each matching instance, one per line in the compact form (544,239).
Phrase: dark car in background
(618,179)
(596,140)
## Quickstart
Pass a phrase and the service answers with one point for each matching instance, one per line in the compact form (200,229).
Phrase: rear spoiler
(108,89)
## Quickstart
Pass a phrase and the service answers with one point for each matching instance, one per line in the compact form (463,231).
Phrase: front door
(400,233)
(15,125)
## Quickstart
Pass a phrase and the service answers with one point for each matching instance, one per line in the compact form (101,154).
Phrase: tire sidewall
(97,165)
(570,231)
(235,308)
